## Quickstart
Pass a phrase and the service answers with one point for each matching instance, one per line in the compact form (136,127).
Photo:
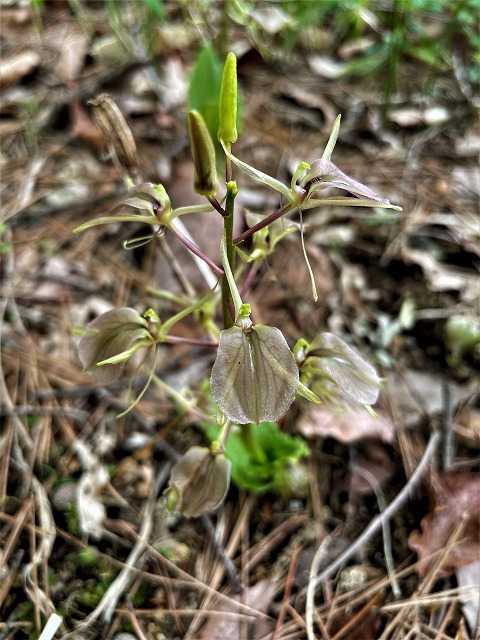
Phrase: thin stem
(199,342)
(225,432)
(168,324)
(195,249)
(194,208)
(177,268)
(227,300)
(232,285)
(163,294)
(217,206)
(288,208)
(179,399)
(250,277)
(251,442)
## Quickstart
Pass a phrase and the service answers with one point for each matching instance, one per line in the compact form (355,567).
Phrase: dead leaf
(414,117)
(270,19)
(468,577)
(416,394)
(259,596)
(345,425)
(327,67)
(456,496)
(377,462)
(71,43)
(16,67)
(82,126)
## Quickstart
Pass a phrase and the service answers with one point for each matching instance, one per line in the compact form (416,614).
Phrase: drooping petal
(325,173)
(255,377)
(199,482)
(356,378)
(112,333)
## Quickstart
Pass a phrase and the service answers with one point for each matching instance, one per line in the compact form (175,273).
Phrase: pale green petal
(260,177)
(354,376)
(332,141)
(95,222)
(255,377)
(341,201)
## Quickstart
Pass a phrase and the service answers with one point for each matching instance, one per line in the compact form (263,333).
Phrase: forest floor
(403,288)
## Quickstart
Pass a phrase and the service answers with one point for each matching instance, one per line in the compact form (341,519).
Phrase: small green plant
(256,376)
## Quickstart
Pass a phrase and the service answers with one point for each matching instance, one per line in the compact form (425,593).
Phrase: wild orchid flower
(309,179)
(305,190)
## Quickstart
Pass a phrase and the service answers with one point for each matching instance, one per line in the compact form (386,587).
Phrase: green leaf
(156,8)
(264,464)
(255,376)
(204,88)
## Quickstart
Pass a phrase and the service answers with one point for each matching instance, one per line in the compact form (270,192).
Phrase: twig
(51,628)
(288,589)
(177,268)
(392,508)
(318,558)
(448,430)
(387,538)
(42,553)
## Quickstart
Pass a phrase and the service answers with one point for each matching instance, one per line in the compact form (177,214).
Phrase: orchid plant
(256,376)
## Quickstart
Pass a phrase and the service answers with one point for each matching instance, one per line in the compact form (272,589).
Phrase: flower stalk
(227,300)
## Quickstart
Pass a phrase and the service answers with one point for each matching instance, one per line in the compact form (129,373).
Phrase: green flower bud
(227,130)
(203,154)
(199,482)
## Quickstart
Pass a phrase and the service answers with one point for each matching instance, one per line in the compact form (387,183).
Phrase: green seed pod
(203,154)
(227,130)
(115,129)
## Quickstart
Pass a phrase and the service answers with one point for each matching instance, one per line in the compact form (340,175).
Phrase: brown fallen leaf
(456,496)
(345,425)
(260,597)
(377,462)
(16,67)
(82,127)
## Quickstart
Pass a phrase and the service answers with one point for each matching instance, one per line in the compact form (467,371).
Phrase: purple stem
(263,223)
(194,248)
(250,277)
(217,206)
(194,341)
